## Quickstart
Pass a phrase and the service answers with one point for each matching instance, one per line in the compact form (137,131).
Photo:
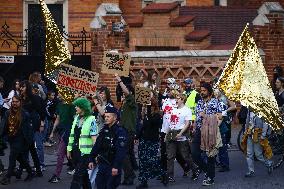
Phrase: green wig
(84,104)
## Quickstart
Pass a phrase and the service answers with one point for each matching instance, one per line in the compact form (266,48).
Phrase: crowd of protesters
(181,123)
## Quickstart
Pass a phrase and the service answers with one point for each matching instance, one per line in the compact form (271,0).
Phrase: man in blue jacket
(109,151)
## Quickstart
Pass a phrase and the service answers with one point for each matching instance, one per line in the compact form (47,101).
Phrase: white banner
(6,59)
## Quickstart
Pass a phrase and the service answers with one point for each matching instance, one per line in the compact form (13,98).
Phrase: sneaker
(195,175)
(249,174)
(208,182)
(205,176)
(54,179)
(71,172)
(171,179)
(43,168)
(270,169)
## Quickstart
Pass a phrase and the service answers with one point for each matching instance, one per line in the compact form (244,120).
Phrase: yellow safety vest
(190,103)
(85,140)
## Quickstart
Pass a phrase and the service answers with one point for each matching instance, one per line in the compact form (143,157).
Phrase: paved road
(230,180)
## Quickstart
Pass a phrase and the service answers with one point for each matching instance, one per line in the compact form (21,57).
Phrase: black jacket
(26,127)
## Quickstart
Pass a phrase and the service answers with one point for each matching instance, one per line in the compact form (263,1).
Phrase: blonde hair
(182,96)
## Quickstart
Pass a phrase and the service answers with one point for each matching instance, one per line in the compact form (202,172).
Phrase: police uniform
(109,151)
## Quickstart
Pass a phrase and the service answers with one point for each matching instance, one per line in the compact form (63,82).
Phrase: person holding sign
(128,119)
(148,150)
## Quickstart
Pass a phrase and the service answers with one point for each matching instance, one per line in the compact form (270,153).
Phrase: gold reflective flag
(55,51)
(244,79)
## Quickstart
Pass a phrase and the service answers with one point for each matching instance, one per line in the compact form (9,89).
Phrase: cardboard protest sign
(143,95)
(77,80)
(116,63)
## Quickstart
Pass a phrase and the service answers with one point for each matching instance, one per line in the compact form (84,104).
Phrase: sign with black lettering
(77,80)
(143,95)
(7,59)
(116,63)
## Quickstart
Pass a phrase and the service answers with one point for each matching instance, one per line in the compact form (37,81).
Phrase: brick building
(176,38)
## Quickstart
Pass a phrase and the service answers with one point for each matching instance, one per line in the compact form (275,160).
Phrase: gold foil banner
(55,51)
(244,79)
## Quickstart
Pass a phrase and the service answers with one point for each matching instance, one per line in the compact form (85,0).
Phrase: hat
(35,86)
(110,109)
(188,81)
(174,86)
(171,80)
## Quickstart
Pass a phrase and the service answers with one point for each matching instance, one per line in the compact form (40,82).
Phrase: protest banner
(143,95)
(116,63)
(77,80)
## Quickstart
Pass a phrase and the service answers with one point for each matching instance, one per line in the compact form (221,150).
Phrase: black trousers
(32,150)
(81,176)
(127,164)
(163,153)
(17,155)
(208,165)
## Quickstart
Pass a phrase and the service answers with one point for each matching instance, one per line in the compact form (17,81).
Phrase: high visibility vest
(85,140)
(190,103)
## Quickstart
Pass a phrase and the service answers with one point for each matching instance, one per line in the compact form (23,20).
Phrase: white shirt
(168,106)
(178,118)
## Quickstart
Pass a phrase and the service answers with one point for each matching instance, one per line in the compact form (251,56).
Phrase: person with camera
(101,100)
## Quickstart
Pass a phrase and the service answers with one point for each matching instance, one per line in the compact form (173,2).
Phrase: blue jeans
(257,150)
(223,152)
(47,129)
(39,138)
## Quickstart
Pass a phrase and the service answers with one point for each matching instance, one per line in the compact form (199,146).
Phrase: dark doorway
(36,31)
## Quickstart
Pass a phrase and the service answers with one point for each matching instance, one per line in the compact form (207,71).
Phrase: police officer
(192,96)
(109,151)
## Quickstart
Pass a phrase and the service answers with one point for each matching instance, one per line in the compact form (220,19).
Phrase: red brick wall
(130,7)
(200,68)
(200,2)
(270,39)
(104,40)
